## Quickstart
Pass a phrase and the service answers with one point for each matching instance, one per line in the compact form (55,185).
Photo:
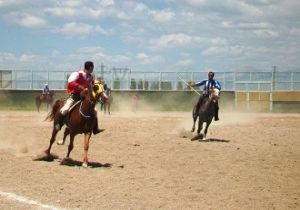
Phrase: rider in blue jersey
(46,90)
(208,84)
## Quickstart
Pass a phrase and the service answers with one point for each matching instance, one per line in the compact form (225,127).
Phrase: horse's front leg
(87,137)
(200,126)
(195,115)
(71,144)
(206,129)
(52,140)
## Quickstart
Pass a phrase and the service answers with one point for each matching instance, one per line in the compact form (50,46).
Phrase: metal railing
(125,79)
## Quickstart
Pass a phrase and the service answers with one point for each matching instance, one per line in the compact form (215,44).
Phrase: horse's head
(214,94)
(98,92)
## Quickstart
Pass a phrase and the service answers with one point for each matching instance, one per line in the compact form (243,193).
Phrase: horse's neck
(208,103)
(87,106)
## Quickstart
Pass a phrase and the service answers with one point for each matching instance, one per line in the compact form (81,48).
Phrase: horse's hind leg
(87,137)
(38,104)
(66,133)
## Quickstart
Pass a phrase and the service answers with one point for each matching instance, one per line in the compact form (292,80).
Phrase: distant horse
(205,114)
(80,119)
(105,104)
(47,98)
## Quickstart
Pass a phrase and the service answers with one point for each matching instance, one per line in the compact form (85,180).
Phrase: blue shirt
(46,90)
(208,84)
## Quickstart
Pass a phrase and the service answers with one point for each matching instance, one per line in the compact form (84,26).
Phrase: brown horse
(80,119)
(105,104)
(44,98)
(205,114)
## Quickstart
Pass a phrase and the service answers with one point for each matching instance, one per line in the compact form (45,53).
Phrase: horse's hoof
(201,136)
(84,165)
(60,142)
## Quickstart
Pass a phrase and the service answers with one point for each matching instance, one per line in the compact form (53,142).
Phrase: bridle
(92,103)
(214,94)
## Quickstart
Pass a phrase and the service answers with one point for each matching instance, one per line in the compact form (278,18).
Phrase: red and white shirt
(78,78)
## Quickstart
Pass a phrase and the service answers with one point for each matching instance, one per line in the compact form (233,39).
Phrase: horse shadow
(71,162)
(199,138)
(214,140)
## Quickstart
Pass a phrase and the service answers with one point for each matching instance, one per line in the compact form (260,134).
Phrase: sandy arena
(250,161)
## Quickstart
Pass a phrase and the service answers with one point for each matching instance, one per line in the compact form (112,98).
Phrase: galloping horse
(105,105)
(80,119)
(205,114)
(48,99)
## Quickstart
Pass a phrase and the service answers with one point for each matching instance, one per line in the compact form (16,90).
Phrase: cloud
(295,32)
(266,33)
(185,63)
(7,57)
(26,58)
(26,20)
(173,41)
(162,16)
(80,30)
(146,59)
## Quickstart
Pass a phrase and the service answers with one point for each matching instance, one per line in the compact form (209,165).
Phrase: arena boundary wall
(277,101)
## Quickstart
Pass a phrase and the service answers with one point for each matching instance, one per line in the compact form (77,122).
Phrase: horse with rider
(207,106)
(47,97)
(79,111)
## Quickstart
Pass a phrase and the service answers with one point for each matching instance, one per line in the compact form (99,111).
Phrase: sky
(153,35)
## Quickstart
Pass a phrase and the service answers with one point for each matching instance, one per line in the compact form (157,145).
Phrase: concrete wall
(150,100)
(278,101)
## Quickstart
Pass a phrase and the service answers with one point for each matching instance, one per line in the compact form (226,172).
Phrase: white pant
(70,101)
(64,110)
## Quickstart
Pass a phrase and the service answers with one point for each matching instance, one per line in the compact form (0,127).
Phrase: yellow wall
(262,101)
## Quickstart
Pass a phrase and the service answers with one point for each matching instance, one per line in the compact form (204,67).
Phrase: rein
(80,108)
(80,111)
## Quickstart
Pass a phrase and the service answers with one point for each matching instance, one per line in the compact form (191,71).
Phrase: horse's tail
(56,106)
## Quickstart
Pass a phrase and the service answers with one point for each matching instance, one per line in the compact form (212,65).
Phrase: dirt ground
(250,161)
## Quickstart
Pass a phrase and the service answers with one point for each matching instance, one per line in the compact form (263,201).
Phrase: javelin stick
(188,85)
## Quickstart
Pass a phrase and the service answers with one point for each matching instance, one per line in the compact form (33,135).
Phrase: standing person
(135,101)
(208,84)
(78,81)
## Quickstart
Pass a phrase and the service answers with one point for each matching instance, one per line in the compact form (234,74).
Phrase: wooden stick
(189,85)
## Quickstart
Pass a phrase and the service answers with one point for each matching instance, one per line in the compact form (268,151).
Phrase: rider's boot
(96,129)
(217,112)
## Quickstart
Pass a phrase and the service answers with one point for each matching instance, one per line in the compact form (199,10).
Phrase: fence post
(31,84)
(292,82)
(272,88)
